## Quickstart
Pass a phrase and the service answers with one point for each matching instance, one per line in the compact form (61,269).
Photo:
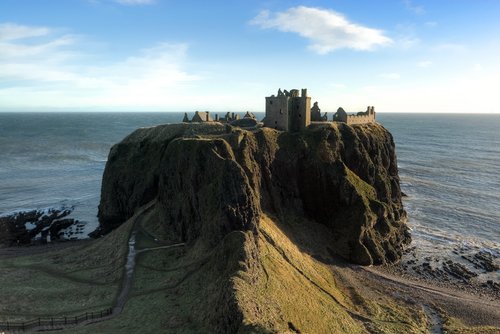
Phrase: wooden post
(52,322)
(65,321)
(39,322)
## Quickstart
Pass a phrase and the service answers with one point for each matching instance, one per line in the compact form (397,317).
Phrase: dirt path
(435,320)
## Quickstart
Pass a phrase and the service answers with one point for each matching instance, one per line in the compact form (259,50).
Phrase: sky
(167,55)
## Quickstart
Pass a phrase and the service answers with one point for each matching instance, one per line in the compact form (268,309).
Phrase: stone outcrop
(26,227)
(210,179)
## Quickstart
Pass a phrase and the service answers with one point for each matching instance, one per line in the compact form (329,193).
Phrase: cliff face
(209,180)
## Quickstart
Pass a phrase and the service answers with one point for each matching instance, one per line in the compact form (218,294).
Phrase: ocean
(449,167)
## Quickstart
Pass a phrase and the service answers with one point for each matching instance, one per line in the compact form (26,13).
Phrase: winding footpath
(128,273)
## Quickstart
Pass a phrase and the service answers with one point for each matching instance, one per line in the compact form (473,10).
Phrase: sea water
(449,167)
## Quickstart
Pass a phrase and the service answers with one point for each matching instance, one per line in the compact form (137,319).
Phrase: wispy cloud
(417,9)
(326,30)
(12,32)
(406,36)
(50,69)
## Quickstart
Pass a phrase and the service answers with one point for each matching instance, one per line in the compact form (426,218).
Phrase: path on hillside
(127,280)
(128,272)
(132,253)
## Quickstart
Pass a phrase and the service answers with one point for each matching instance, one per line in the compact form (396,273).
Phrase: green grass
(455,326)
(296,288)
(72,281)
(257,283)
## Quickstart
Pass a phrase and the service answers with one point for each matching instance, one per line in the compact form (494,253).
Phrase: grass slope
(280,279)
(72,281)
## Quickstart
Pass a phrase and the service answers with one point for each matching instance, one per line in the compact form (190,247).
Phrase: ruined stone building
(361,117)
(288,111)
(199,116)
(204,116)
(316,114)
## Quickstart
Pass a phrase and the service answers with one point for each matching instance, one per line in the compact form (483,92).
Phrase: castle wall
(304,113)
(277,113)
(355,119)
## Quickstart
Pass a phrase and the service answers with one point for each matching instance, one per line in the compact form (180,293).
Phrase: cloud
(414,8)
(51,71)
(12,32)
(135,2)
(392,76)
(326,30)
(424,63)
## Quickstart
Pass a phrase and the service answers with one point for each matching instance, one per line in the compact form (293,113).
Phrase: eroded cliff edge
(211,179)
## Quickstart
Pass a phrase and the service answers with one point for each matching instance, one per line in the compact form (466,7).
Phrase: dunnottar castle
(287,111)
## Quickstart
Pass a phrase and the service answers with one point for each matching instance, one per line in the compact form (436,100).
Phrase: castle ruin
(361,117)
(290,112)
(247,121)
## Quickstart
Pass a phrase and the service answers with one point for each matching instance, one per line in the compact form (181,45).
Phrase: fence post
(39,322)
(52,322)
(76,318)
(86,316)
(22,326)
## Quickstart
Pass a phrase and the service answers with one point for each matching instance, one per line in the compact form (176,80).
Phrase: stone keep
(288,111)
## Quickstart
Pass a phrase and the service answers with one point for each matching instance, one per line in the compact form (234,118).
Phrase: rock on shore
(25,227)
(211,179)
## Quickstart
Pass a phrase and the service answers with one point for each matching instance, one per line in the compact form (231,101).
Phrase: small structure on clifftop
(316,114)
(248,121)
(361,117)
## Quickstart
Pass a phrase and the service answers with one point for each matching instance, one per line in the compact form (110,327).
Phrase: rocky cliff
(211,179)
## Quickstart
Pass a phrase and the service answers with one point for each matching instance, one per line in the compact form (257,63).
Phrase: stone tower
(288,111)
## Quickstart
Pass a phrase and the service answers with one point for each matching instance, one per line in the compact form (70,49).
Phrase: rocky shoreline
(38,227)
(474,271)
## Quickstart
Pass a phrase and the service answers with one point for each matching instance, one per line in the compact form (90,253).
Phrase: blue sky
(165,55)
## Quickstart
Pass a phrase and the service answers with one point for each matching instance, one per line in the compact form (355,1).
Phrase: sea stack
(209,181)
